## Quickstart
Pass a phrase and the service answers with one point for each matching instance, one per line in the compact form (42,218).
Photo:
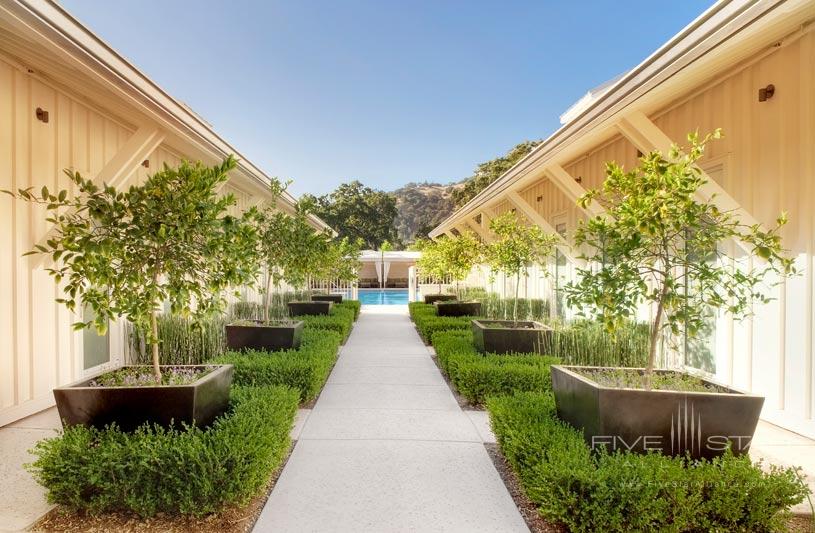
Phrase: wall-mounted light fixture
(146,163)
(579,179)
(42,115)
(765,93)
(539,199)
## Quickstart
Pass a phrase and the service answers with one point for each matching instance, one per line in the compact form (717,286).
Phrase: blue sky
(381,91)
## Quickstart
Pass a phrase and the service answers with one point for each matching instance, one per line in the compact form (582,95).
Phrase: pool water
(383,296)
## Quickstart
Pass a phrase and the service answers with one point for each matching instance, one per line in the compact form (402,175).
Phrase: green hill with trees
(357,211)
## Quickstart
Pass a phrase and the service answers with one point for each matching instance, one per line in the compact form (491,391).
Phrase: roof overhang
(721,37)
(54,45)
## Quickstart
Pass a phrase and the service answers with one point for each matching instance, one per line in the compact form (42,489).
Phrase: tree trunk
(515,303)
(154,345)
(458,292)
(652,352)
(267,298)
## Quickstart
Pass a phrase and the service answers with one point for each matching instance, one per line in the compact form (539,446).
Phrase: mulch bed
(238,519)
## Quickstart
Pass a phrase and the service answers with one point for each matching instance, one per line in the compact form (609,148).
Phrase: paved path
(387,448)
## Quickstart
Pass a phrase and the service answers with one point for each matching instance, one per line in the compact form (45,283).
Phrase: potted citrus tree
(125,253)
(342,265)
(659,245)
(458,255)
(305,258)
(276,236)
(431,265)
(516,248)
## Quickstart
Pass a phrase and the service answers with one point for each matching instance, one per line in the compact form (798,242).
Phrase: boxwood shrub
(420,308)
(624,492)
(427,323)
(305,369)
(189,471)
(477,376)
(339,319)
(354,305)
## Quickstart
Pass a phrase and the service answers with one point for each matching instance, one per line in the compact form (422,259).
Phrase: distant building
(392,273)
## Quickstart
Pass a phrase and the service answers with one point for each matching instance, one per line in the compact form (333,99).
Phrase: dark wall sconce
(539,199)
(42,115)
(579,179)
(146,163)
(765,93)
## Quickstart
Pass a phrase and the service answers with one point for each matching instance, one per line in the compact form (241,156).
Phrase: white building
(67,100)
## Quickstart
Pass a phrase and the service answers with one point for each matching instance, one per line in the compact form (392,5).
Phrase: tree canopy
(359,212)
(659,244)
(516,247)
(488,172)
(124,253)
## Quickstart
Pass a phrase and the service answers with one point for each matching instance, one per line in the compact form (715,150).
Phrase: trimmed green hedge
(420,309)
(477,376)
(305,369)
(152,470)
(427,323)
(627,492)
(339,319)
(354,305)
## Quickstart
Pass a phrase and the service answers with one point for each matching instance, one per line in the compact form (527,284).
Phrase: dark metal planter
(505,336)
(129,407)
(458,308)
(335,298)
(700,424)
(309,308)
(264,336)
(433,298)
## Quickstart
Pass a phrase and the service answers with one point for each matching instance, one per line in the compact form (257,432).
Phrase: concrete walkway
(387,448)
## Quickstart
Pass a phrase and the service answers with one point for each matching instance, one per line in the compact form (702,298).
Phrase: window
(95,347)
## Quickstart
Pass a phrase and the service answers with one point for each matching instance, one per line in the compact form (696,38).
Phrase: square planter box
(433,298)
(268,337)
(504,336)
(309,308)
(129,407)
(335,298)
(700,424)
(458,308)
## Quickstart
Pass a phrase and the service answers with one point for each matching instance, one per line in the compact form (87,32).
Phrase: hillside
(421,207)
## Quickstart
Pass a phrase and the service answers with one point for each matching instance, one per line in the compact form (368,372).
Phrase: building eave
(653,83)
(94,58)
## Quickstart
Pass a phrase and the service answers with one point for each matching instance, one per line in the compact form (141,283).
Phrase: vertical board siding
(767,153)
(766,161)
(8,374)
(38,348)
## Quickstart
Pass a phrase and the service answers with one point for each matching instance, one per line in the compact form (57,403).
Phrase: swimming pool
(383,296)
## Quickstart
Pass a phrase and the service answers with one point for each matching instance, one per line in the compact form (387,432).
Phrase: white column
(412,283)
